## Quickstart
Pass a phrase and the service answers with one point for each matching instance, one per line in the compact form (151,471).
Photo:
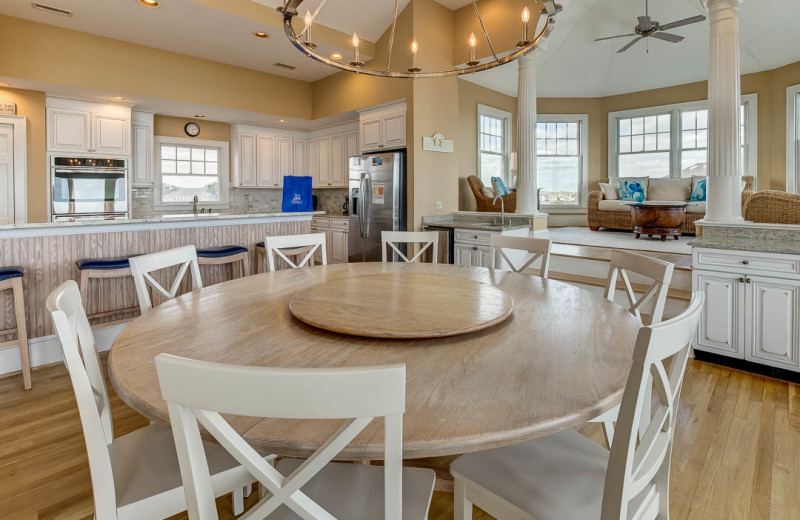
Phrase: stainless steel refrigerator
(377,202)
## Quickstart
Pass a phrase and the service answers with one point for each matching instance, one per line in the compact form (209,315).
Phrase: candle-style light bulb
(356,61)
(414,49)
(308,19)
(526,16)
(473,41)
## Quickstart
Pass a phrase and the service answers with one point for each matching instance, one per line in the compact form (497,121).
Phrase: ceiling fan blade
(612,37)
(667,37)
(631,44)
(681,23)
(645,23)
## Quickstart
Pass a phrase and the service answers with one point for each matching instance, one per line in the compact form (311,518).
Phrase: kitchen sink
(189,215)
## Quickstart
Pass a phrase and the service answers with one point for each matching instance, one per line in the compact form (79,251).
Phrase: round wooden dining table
(561,357)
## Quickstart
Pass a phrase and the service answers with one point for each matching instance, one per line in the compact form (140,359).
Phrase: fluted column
(527,202)
(724,201)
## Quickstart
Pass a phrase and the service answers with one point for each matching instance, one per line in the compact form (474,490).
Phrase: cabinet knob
(747,280)
(741,280)
(745,262)
(474,248)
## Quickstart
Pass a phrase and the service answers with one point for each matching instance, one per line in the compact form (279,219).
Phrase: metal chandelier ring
(290,10)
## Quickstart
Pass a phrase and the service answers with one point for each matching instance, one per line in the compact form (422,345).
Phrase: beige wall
(31,105)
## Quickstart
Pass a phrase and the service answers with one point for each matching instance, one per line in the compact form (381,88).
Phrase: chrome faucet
(194,205)
(502,209)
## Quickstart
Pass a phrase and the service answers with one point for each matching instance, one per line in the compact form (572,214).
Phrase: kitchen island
(48,251)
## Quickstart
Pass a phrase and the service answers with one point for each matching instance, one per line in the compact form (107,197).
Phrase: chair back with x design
(428,239)
(536,247)
(199,391)
(637,479)
(659,271)
(142,267)
(282,246)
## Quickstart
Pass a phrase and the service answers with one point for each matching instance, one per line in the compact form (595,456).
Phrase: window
(561,155)
(672,141)
(494,144)
(188,168)
(793,139)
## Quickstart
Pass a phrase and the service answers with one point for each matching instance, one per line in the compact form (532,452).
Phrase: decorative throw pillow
(633,189)
(609,192)
(499,186)
(698,190)
(487,191)
(674,190)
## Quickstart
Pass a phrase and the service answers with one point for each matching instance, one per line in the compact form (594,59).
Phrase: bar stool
(261,254)
(226,255)
(11,279)
(95,268)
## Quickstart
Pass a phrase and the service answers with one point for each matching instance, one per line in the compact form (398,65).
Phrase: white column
(724,200)
(527,202)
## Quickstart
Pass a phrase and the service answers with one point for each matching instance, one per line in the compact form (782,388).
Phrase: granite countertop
(476,222)
(786,247)
(153,220)
(750,236)
(332,215)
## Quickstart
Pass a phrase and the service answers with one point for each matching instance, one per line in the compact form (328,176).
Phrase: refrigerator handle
(360,208)
(366,197)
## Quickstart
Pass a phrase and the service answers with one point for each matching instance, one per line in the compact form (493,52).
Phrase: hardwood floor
(736,456)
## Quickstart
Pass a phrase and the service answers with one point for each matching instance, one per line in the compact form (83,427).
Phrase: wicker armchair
(773,207)
(484,202)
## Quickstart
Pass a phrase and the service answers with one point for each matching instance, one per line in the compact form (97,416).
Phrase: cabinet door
(142,156)
(246,160)
(463,254)
(318,252)
(285,158)
(370,130)
(110,134)
(351,146)
(393,130)
(300,162)
(313,162)
(338,246)
(68,130)
(481,256)
(338,161)
(773,306)
(721,329)
(324,161)
(265,162)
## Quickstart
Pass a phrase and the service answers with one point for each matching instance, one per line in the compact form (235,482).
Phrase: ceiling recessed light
(261,35)
(200,116)
(282,121)
(3,84)
(149,3)
(336,56)
(118,98)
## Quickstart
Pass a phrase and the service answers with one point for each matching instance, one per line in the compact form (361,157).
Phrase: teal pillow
(698,191)
(499,186)
(632,190)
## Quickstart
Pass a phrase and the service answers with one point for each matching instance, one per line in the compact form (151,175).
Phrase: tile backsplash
(242,201)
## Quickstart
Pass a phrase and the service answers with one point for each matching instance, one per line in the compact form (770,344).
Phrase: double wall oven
(88,188)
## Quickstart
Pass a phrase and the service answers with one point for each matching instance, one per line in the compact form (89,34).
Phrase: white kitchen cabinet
(300,158)
(244,165)
(285,157)
(338,243)
(338,161)
(383,128)
(324,161)
(85,127)
(313,162)
(351,145)
(266,167)
(142,149)
(752,307)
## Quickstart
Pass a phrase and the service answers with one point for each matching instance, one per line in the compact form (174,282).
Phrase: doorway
(6,174)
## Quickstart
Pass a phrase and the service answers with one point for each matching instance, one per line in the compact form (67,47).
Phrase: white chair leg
(248,489)
(608,432)
(463,508)
(238,501)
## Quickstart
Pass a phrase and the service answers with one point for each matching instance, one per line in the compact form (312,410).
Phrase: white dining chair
(425,238)
(288,245)
(659,273)
(142,267)
(567,476)
(135,476)
(199,391)
(536,247)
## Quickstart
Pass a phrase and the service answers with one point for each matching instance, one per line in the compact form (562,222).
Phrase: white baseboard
(46,350)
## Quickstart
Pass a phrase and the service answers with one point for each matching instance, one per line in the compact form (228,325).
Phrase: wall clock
(192,129)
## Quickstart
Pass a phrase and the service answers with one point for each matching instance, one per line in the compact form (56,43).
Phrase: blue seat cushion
(104,263)
(261,244)
(11,271)
(219,252)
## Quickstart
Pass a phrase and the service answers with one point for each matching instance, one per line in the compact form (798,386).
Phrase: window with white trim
(561,160)
(793,139)
(672,140)
(191,167)
(494,144)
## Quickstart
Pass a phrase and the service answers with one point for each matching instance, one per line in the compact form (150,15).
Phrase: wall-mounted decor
(8,109)
(437,143)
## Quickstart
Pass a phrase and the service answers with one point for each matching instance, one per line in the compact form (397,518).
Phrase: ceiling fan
(649,28)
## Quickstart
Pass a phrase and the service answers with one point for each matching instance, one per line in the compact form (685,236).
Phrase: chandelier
(305,45)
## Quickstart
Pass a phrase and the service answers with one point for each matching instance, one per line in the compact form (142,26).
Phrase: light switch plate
(8,109)
(438,205)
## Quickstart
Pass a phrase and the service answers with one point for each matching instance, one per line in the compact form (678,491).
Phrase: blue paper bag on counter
(297,194)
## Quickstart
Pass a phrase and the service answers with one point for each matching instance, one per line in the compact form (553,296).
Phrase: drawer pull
(745,262)
(747,280)
(741,280)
